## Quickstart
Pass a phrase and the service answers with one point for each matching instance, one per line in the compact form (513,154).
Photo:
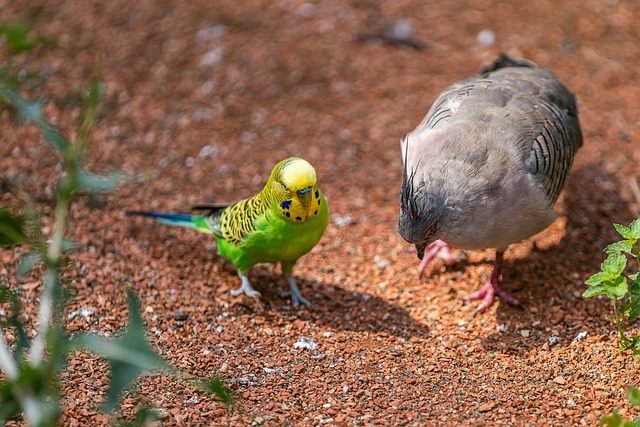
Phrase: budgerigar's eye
(285,187)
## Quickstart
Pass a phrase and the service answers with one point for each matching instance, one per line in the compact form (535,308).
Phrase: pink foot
(492,288)
(442,250)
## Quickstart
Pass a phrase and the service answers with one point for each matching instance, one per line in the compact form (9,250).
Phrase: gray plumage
(487,163)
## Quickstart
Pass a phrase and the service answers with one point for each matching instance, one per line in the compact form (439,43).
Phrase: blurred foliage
(615,420)
(17,37)
(30,386)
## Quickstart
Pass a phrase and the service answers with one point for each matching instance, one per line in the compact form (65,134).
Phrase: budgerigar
(278,225)
(487,163)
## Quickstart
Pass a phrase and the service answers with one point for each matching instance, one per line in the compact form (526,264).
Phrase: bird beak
(420,247)
(305,196)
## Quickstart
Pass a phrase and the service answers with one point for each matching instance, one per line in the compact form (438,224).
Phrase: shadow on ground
(549,282)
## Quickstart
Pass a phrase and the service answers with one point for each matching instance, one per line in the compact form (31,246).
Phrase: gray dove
(487,163)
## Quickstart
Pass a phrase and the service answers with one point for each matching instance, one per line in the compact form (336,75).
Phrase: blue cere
(304,191)
(286,204)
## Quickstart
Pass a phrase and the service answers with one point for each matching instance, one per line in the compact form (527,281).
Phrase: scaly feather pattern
(278,225)
(487,163)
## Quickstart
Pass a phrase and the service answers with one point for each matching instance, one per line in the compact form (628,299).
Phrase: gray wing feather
(543,117)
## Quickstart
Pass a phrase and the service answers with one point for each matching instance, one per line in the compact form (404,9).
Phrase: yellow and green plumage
(278,225)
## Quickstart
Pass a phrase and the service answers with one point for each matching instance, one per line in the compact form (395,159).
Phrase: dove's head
(421,212)
(294,188)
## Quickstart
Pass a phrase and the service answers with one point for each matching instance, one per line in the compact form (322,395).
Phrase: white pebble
(342,220)
(304,342)
(582,335)
(213,57)
(306,9)
(486,38)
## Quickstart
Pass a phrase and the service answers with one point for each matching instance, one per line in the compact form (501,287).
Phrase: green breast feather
(250,237)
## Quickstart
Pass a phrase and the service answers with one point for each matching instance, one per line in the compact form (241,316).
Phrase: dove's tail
(505,61)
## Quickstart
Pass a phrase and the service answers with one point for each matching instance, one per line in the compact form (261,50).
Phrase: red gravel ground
(204,97)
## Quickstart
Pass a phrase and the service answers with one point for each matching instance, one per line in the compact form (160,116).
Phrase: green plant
(615,420)
(30,385)
(17,34)
(623,290)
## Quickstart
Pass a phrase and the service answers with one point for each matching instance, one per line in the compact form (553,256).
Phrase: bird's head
(293,186)
(420,212)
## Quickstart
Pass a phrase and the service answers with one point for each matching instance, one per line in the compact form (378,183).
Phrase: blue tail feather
(196,222)
(163,215)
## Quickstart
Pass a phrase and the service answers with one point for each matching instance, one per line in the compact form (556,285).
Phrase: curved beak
(420,247)
(305,196)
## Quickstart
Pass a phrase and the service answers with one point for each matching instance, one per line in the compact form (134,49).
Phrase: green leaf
(7,295)
(28,109)
(624,231)
(55,138)
(619,247)
(17,34)
(68,245)
(632,308)
(597,279)
(596,290)
(633,395)
(29,261)
(612,420)
(93,93)
(634,289)
(94,183)
(31,111)
(12,229)
(129,355)
(216,387)
(635,229)
(614,265)
(618,287)
(615,420)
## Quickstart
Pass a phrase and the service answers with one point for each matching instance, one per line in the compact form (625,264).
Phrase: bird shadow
(549,281)
(332,307)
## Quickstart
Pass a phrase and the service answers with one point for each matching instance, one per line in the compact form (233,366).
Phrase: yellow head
(294,188)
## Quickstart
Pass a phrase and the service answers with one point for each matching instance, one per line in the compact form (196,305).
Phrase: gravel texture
(204,97)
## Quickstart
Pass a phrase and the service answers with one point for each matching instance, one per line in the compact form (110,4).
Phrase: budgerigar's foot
(487,294)
(442,250)
(246,288)
(294,293)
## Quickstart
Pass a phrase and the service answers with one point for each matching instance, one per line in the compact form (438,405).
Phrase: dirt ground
(203,98)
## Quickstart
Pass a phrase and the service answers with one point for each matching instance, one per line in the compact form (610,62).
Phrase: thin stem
(7,362)
(50,280)
(616,312)
(30,404)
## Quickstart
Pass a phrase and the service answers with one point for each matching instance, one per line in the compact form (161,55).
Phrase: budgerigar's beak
(305,197)
(420,247)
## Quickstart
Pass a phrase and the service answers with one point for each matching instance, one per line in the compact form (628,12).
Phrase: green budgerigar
(278,225)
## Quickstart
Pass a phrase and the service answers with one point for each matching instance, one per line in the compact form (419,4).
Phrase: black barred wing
(234,222)
(557,137)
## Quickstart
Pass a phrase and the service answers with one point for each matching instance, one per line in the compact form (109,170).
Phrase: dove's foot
(489,290)
(443,251)
(294,293)
(245,288)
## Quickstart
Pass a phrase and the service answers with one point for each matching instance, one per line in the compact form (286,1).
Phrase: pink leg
(442,250)
(492,288)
